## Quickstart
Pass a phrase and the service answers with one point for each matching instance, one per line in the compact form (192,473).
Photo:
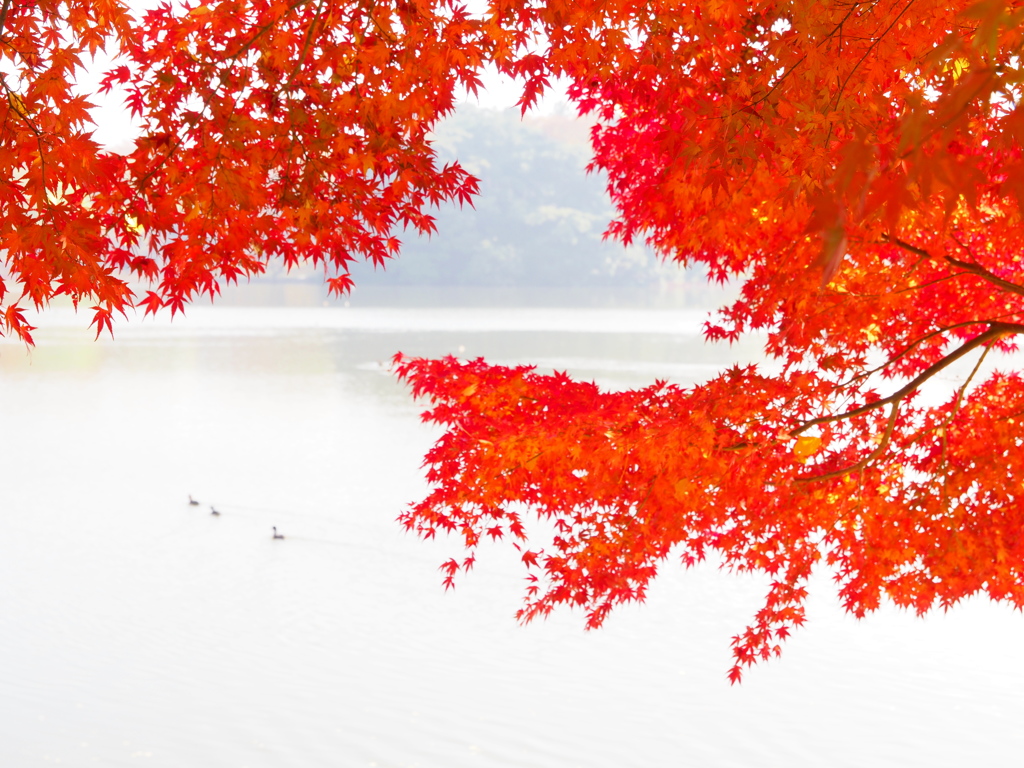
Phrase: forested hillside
(538,220)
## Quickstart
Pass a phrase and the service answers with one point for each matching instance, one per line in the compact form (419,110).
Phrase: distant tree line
(538,220)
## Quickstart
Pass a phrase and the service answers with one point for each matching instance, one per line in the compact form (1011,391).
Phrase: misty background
(535,232)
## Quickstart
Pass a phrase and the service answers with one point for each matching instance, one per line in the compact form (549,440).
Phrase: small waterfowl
(192,501)
(213,511)
(276,534)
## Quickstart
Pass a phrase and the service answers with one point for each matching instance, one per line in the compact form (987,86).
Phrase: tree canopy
(856,165)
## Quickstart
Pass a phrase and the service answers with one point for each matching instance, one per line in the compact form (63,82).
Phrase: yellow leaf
(806,446)
(17,104)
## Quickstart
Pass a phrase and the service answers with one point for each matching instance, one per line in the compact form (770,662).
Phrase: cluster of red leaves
(858,166)
(627,478)
(270,130)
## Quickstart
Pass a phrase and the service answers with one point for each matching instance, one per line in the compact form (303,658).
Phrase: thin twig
(874,44)
(883,444)
(305,48)
(945,433)
(967,382)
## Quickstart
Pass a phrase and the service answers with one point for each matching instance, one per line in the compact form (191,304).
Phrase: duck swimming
(276,534)
(192,501)
(213,511)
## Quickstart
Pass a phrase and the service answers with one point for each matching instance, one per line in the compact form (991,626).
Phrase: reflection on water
(136,629)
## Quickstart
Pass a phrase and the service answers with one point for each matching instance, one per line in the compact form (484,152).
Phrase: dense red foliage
(270,130)
(857,165)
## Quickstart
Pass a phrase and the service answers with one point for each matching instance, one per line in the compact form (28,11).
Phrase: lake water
(136,629)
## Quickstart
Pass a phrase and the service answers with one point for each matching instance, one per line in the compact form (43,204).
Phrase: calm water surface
(136,629)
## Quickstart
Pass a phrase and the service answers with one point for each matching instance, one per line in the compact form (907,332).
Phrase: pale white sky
(501,92)
(114,124)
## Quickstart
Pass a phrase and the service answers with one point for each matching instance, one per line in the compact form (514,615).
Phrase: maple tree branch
(944,436)
(995,331)
(17,105)
(914,345)
(887,435)
(522,464)
(929,284)
(386,34)
(1009,416)
(974,268)
(882,445)
(908,247)
(370,7)
(837,29)
(969,267)
(3,14)
(908,289)
(777,83)
(984,274)
(650,489)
